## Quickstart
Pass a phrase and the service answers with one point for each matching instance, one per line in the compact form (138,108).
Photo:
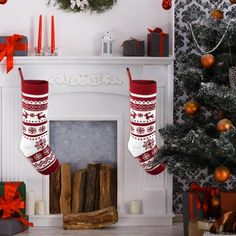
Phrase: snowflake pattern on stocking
(150,129)
(37,156)
(40,144)
(23,128)
(148,144)
(42,129)
(32,130)
(32,115)
(140,130)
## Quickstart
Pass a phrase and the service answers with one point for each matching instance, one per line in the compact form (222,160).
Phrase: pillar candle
(30,203)
(52,35)
(40,207)
(39,48)
(135,207)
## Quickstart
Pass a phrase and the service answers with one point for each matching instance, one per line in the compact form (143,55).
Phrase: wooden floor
(175,230)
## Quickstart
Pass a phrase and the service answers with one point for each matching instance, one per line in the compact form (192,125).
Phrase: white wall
(79,33)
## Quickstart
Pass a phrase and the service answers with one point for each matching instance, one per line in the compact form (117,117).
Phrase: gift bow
(11,202)
(7,49)
(208,193)
(162,37)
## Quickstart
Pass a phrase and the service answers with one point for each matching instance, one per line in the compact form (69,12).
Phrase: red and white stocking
(34,141)
(142,142)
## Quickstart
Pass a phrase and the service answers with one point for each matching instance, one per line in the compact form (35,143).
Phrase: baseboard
(124,220)
(178,218)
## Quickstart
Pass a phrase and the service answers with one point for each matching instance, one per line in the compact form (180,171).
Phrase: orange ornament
(217,14)
(191,108)
(221,174)
(224,125)
(215,201)
(208,60)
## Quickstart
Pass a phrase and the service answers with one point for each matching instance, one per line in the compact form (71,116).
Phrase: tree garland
(97,6)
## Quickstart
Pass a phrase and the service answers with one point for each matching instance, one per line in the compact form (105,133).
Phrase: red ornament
(3,1)
(166,4)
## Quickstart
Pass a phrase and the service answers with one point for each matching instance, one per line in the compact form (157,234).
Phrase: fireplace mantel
(90,88)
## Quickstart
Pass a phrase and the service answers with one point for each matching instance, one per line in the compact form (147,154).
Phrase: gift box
(12,199)
(158,43)
(15,45)
(228,201)
(196,204)
(20,44)
(133,47)
(193,229)
(10,227)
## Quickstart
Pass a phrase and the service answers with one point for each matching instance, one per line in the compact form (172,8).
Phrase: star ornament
(81,4)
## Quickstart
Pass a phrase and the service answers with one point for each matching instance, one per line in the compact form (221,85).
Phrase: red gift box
(15,45)
(12,201)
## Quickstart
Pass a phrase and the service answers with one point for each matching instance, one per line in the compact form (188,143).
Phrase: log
(105,186)
(65,199)
(114,187)
(55,191)
(91,220)
(90,187)
(78,191)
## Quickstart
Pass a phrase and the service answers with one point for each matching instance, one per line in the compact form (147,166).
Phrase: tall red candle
(52,35)
(39,48)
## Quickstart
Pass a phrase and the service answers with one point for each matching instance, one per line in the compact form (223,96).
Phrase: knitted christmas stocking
(142,142)
(34,141)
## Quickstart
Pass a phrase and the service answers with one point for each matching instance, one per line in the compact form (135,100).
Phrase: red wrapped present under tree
(13,201)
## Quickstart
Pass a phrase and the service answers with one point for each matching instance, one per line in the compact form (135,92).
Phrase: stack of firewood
(89,200)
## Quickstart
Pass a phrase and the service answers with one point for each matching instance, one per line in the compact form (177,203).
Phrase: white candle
(30,203)
(135,207)
(40,207)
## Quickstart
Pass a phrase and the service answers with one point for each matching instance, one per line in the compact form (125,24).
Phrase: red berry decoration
(166,4)
(3,1)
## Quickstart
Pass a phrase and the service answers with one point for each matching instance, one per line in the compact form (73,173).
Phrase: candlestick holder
(42,53)
(54,53)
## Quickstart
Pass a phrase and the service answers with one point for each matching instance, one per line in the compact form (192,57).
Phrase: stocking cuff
(35,87)
(143,87)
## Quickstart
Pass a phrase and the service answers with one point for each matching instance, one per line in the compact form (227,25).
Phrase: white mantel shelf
(29,60)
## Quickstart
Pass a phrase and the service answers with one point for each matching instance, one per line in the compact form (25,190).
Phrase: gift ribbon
(12,202)
(197,189)
(7,49)
(162,38)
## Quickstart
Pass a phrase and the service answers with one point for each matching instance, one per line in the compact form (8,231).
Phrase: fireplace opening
(87,178)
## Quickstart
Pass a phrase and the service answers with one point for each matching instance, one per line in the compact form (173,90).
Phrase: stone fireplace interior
(90,89)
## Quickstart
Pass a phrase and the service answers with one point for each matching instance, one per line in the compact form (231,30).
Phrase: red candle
(39,48)
(52,35)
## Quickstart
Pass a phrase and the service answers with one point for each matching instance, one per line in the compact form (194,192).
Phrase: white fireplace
(90,89)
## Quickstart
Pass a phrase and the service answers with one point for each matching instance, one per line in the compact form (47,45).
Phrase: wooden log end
(91,220)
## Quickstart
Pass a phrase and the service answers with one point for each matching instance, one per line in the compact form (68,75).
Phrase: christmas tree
(206,138)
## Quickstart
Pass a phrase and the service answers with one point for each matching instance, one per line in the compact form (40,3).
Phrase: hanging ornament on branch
(191,108)
(221,174)
(224,125)
(217,14)
(166,4)
(207,60)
